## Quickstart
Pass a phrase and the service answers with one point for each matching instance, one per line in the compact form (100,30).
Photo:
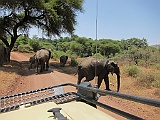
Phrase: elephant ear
(111,68)
(116,67)
(113,64)
(106,62)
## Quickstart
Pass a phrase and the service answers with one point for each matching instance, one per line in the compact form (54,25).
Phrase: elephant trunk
(118,82)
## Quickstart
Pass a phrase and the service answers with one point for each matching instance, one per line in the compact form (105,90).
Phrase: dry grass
(129,85)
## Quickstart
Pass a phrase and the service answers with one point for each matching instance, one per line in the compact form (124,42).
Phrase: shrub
(47,45)
(73,62)
(156,66)
(25,48)
(35,45)
(149,79)
(98,55)
(132,70)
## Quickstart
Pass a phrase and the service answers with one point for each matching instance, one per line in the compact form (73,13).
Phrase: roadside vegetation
(136,58)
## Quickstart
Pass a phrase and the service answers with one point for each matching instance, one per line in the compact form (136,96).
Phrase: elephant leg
(37,68)
(89,77)
(80,77)
(100,78)
(99,82)
(47,65)
(106,80)
(42,67)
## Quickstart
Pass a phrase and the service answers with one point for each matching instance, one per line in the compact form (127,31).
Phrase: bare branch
(4,41)
(7,31)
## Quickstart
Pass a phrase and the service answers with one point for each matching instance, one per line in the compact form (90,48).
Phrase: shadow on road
(22,68)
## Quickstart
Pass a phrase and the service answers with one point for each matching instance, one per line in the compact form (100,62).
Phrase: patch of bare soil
(16,77)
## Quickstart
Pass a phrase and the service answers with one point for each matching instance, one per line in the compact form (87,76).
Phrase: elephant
(103,67)
(63,60)
(4,54)
(41,57)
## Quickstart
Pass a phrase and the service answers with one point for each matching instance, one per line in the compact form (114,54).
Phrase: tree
(134,42)
(76,47)
(52,16)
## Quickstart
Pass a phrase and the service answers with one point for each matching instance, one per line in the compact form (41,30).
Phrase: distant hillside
(156,46)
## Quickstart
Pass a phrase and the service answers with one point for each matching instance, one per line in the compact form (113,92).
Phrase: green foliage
(149,79)
(47,45)
(142,56)
(63,46)
(76,47)
(138,43)
(56,54)
(1,43)
(99,56)
(73,62)
(54,17)
(22,40)
(24,48)
(132,70)
(35,45)
(156,66)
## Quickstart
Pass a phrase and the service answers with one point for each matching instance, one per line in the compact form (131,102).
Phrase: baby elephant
(41,58)
(63,60)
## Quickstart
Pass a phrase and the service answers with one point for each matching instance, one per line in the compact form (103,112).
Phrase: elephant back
(87,61)
(63,58)
(91,61)
(43,53)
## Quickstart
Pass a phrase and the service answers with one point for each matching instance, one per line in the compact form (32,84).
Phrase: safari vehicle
(53,103)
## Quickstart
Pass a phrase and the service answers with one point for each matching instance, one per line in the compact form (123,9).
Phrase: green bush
(132,70)
(1,43)
(56,54)
(99,56)
(73,62)
(156,66)
(149,79)
(47,45)
(35,45)
(25,48)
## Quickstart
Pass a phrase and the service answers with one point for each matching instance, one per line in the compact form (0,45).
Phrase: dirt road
(28,80)
(32,81)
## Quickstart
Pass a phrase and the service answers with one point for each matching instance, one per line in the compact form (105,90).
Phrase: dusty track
(28,80)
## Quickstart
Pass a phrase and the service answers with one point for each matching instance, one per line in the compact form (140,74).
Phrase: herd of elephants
(89,67)
(86,67)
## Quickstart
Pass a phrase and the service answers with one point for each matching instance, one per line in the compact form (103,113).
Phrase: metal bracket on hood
(57,114)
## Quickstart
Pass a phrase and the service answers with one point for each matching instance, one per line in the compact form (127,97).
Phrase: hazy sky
(120,19)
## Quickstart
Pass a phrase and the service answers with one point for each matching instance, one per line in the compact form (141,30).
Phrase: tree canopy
(54,17)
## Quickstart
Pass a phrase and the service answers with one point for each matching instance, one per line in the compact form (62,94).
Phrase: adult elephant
(41,57)
(63,60)
(4,54)
(103,67)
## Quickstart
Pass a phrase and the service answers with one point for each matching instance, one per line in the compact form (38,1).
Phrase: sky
(118,19)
